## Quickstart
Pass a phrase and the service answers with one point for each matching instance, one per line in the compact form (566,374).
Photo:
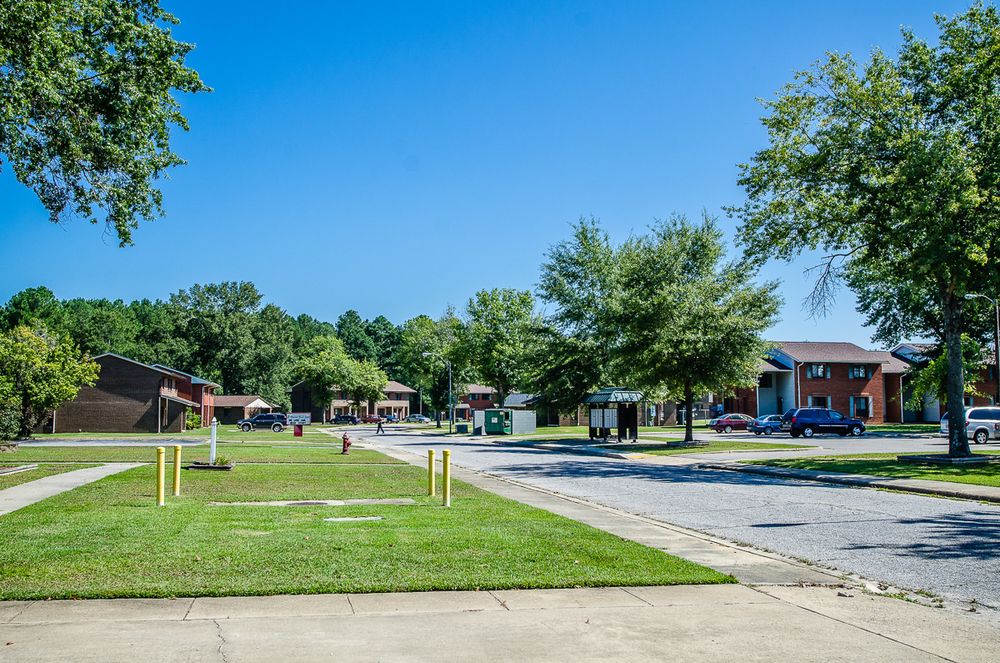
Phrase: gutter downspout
(798,384)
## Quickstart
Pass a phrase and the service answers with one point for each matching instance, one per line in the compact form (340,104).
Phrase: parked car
(371,419)
(731,422)
(344,419)
(767,424)
(981,424)
(417,419)
(391,419)
(275,421)
(809,421)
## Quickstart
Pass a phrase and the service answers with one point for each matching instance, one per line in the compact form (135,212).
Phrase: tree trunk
(958,440)
(688,428)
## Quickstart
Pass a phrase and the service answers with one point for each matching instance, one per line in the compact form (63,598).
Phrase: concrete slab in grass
(546,599)
(248,607)
(103,610)
(956,637)
(699,595)
(416,602)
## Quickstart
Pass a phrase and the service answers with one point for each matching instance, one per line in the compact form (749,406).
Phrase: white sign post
(211,447)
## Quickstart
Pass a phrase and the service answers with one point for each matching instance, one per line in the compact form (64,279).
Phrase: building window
(968,401)
(765,381)
(227,412)
(859,371)
(816,371)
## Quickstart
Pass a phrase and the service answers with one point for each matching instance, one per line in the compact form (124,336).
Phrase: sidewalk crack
(222,653)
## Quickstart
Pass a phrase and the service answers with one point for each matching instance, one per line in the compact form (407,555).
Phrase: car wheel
(856,430)
(808,431)
(276,428)
(246,428)
(767,431)
(728,428)
(981,437)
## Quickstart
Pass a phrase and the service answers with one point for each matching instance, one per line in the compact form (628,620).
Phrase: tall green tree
(443,337)
(353,332)
(662,312)
(87,105)
(39,372)
(499,336)
(892,170)
(324,364)
(385,338)
(30,306)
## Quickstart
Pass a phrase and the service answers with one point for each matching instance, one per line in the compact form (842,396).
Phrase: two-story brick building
(198,390)
(477,397)
(395,403)
(840,376)
(128,397)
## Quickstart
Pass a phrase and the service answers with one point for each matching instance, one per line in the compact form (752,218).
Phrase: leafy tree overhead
(87,105)
(498,333)
(892,170)
(324,364)
(930,377)
(38,373)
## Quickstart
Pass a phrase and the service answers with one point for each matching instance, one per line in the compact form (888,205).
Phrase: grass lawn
(713,445)
(11,480)
(886,465)
(108,539)
(241,453)
(921,429)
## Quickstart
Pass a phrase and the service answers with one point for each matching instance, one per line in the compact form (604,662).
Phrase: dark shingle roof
(809,351)
(614,395)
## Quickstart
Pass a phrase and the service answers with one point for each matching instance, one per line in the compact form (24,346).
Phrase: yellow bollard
(159,475)
(446,479)
(177,470)
(430,471)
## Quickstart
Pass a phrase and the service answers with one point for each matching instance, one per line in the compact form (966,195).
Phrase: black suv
(344,419)
(275,421)
(808,421)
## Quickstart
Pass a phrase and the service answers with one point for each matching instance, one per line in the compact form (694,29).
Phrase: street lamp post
(451,408)
(996,338)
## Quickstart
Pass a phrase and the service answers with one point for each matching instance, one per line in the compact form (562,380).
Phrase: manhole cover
(344,520)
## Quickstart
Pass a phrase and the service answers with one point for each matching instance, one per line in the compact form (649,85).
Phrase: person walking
(380,429)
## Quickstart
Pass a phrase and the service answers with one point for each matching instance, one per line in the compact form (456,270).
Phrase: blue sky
(395,158)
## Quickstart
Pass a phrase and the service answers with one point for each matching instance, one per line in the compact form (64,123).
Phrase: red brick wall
(125,399)
(839,387)
(743,402)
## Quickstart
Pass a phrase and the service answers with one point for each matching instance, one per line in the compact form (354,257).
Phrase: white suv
(981,424)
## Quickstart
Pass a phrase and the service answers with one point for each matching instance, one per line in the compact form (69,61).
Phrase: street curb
(921,486)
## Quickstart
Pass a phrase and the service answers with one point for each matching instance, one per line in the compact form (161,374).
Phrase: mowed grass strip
(108,539)
(11,480)
(240,453)
(713,445)
(886,465)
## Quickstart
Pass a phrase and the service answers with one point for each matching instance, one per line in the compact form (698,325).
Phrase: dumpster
(497,422)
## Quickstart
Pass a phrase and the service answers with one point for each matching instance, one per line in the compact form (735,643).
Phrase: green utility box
(497,422)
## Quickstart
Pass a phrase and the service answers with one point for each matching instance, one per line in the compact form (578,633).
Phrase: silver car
(982,424)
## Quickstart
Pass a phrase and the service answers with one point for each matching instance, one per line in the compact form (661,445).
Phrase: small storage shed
(614,407)
(502,421)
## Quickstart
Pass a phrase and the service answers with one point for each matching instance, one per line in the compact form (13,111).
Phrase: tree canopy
(891,169)
(87,105)
(39,372)
(498,334)
(661,312)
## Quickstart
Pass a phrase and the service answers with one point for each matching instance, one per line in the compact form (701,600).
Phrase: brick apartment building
(395,403)
(198,390)
(128,397)
(477,397)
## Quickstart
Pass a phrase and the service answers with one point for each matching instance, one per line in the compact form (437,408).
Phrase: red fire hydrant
(347,444)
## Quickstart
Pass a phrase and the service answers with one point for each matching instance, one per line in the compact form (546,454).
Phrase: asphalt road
(947,547)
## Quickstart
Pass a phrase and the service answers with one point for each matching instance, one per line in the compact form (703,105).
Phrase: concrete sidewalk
(710,623)
(18,497)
